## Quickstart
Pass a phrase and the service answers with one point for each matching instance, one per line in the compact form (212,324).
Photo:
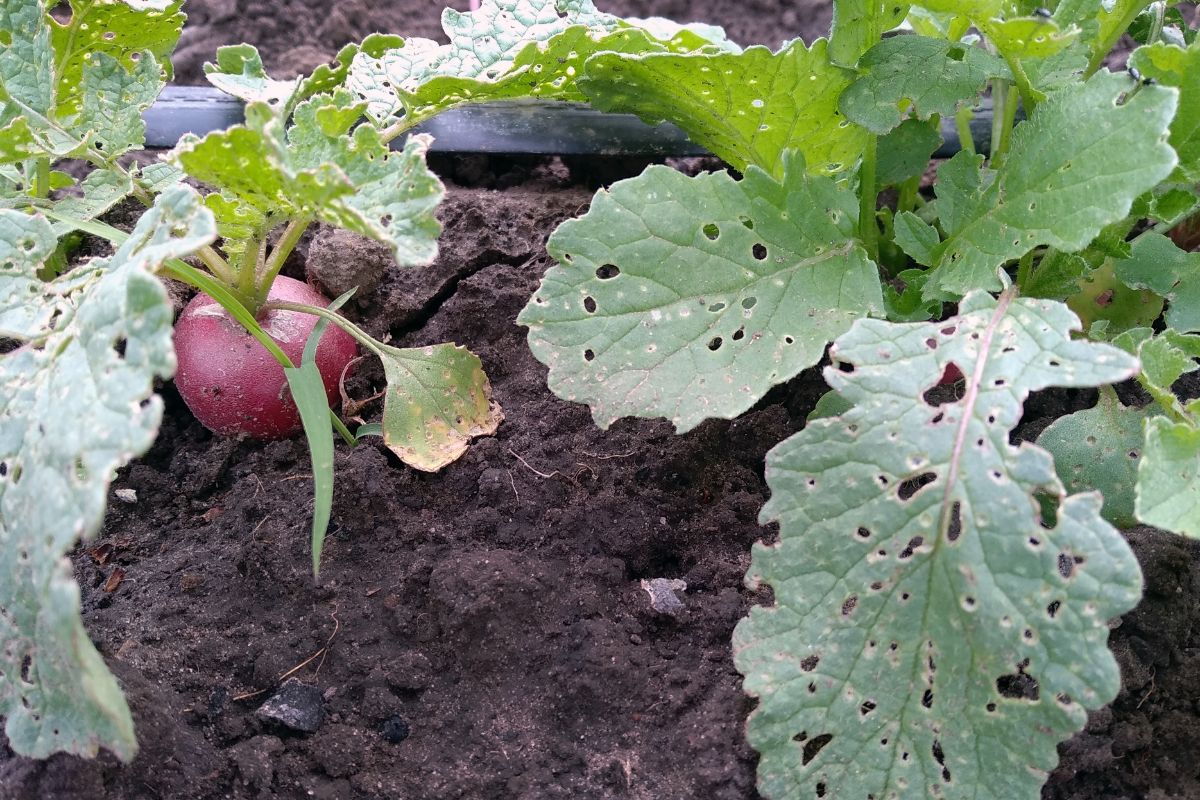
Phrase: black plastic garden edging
(514,127)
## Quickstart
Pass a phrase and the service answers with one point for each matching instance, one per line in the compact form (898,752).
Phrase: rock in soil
(296,706)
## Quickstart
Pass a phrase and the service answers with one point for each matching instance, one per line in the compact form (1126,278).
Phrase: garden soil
(483,633)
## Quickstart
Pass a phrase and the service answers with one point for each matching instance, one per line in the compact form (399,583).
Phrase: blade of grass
(308,390)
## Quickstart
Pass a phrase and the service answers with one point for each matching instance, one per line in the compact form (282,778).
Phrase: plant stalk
(962,123)
(868,198)
(1125,12)
(279,255)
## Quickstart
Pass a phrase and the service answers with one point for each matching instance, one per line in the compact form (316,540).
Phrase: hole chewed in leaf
(711,231)
(814,746)
(810,662)
(1019,685)
(913,485)
(607,272)
(954,524)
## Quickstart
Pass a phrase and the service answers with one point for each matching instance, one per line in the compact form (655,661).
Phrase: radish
(229,380)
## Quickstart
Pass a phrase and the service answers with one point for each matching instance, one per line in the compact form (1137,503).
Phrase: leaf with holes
(438,399)
(745,107)
(688,298)
(859,24)
(1100,448)
(506,49)
(917,76)
(318,168)
(101,340)
(1074,168)
(930,635)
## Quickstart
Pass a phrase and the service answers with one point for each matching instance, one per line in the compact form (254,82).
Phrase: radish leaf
(438,399)
(105,340)
(930,635)
(1079,164)
(689,298)
(745,107)
(917,75)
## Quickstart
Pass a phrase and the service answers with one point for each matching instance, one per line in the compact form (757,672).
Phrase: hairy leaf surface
(930,637)
(918,76)
(76,403)
(1074,168)
(688,298)
(745,107)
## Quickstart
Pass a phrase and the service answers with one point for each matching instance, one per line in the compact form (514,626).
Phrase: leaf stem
(283,248)
(1004,115)
(41,183)
(364,338)
(962,124)
(1125,11)
(868,195)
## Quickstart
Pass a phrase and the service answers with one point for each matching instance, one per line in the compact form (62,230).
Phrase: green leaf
(317,169)
(1159,265)
(99,191)
(916,238)
(1030,37)
(239,71)
(504,50)
(1171,65)
(745,107)
(98,356)
(119,29)
(1074,168)
(909,304)
(1168,488)
(1101,296)
(689,298)
(26,59)
(859,24)
(1057,276)
(904,153)
(1099,449)
(113,101)
(919,76)
(929,636)
(438,399)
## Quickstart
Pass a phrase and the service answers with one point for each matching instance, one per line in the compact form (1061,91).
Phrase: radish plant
(254,353)
(941,595)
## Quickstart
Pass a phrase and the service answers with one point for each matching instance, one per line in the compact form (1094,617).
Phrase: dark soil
(482,633)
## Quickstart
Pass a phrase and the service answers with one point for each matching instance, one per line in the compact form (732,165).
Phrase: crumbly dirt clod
(339,261)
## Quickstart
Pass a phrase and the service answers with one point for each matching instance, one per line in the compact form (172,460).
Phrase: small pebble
(662,595)
(395,730)
(296,705)
(126,495)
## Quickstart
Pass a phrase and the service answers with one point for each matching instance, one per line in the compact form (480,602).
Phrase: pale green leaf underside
(1159,265)
(113,101)
(55,692)
(25,244)
(99,191)
(688,298)
(1074,168)
(745,107)
(438,399)
(1168,487)
(918,76)
(1174,66)
(494,52)
(913,572)
(1100,448)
